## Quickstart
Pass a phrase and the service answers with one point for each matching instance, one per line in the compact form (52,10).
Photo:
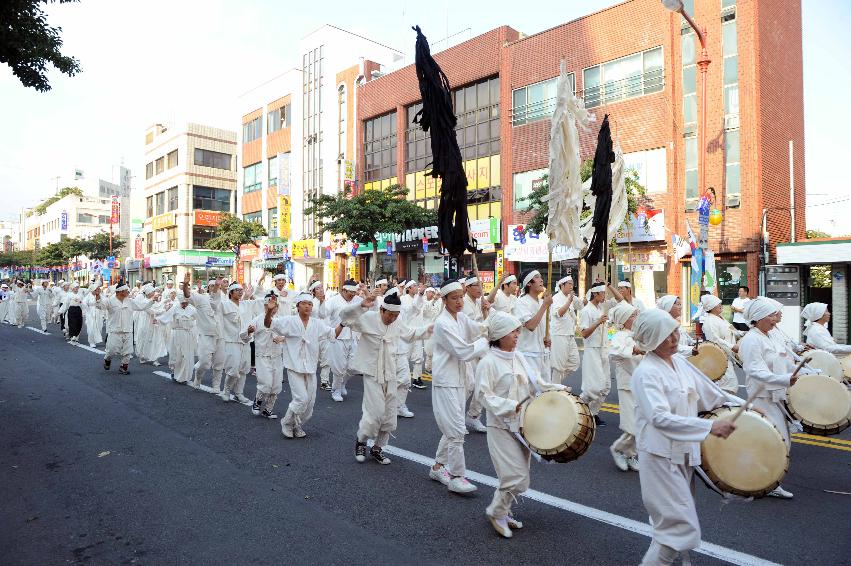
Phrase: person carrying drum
(596,377)
(457,340)
(504,380)
(817,316)
(769,369)
(720,332)
(625,357)
(564,353)
(669,393)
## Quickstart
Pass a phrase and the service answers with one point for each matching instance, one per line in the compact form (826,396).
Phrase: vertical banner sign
(116,210)
(284,174)
(500,264)
(240,272)
(63,222)
(284,217)
(137,249)
(694,282)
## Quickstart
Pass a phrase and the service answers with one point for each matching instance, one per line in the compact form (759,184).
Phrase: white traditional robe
(94,319)
(669,434)
(269,359)
(21,306)
(144,325)
(340,351)
(181,348)
(818,336)
(531,342)
(596,376)
(5,302)
(502,382)
(119,326)
(721,332)
(625,361)
(235,336)
(44,305)
(457,341)
(768,366)
(564,356)
(504,302)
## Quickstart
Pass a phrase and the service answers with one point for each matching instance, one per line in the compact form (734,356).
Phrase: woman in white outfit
(669,393)
(818,336)
(672,305)
(180,319)
(504,380)
(94,318)
(721,333)
(625,357)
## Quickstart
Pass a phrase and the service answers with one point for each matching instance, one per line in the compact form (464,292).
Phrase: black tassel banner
(601,187)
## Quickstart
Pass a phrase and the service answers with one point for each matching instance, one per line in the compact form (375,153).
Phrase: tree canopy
(28,44)
(16,259)
(41,208)
(233,232)
(97,246)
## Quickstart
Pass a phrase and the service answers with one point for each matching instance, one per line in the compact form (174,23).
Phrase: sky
(188,60)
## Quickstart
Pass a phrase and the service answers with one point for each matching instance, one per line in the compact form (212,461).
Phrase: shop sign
(274,248)
(305,249)
(486,232)
(240,272)
(644,261)
(207,218)
(187,257)
(137,248)
(412,240)
(137,225)
(531,247)
(132,265)
(284,217)
(116,210)
(486,278)
(247,252)
(647,225)
(366,248)
(164,221)
(354,268)
(500,264)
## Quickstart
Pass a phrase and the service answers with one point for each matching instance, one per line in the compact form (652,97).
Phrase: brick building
(634,61)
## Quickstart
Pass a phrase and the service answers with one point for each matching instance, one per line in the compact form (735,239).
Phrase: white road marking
(40,331)
(90,349)
(163,374)
(707,548)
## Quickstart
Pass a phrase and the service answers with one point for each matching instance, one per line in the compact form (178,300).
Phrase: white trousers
(303,388)
(119,344)
(403,378)
(667,490)
(324,359)
(211,354)
(181,354)
(237,366)
(475,406)
(564,357)
(511,461)
(44,315)
(270,375)
(379,411)
(448,406)
(341,355)
(21,312)
(596,377)
(625,444)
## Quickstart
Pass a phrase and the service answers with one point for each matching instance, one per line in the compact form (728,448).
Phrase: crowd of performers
(485,354)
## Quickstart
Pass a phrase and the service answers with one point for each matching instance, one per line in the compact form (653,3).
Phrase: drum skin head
(750,462)
(550,420)
(827,363)
(846,367)
(821,404)
(711,360)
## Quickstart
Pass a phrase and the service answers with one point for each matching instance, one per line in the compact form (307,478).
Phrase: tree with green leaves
(41,208)
(97,246)
(361,217)
(16,259)
(233,232)
(28,44)
(53,254)
(636,195)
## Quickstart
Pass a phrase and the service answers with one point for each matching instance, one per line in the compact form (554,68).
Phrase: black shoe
(598,421)
(418,383)
(325,386)
(123,370)
(378,455)
(255,407)
(106,364)
(360,451)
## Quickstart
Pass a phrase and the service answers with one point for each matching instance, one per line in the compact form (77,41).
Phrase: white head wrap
(450,287)
(621,312)
(4,286)
(462,281)
(410,284)
(391,291)
(709,302)
(122,288)
(666,302)
(392,307)
(528,279)
(301,297)
(381,282)
(652,327)
(624,284)
(211,282)
(812,312)
(234,287)
(471,281)
(563,280)
(599,288)
(760,308)
(279,277)
(169,282)
(509,279)
(182,298)
(500,324)
(350,288)
(432,289)
(314,285)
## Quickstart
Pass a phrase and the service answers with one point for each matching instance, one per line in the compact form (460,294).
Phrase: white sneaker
(286,430)
(513,522)
(194,385)
(475,425)
(403,411)
(500,526)
(298,432)
(781,493)
(440,475)
(343,391)
(336,396)
(225,396)
(461,485)
(156,363)
(243,399)
(632,462)
(620,459)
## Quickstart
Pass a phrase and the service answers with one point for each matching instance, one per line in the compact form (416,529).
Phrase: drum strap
(795,425)
(726,497)
(533,380)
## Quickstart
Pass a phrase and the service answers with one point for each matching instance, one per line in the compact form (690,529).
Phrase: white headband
(381,282)
(234,287)
(563,280)
(529,277)
(509,279)
(666,302)
(279,277)
(450,287)
(391,307)
(625,284)
(302,297)
(709,302)
(472,281)
(760,308)
(211,282)
(122,288)
(314,285)
(410,284)
(350,288)
(652,327)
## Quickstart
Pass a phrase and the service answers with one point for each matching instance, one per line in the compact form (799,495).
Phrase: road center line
(707,548)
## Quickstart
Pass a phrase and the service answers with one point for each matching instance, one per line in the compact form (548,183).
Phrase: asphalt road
(99,468)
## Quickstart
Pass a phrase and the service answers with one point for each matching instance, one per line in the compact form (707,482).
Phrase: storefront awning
(815,252)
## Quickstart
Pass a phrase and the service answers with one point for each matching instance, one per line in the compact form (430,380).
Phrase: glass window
(172,159)
(160,200)
(272,223)
(278,119)
(172,199)
(208,198)
(252,130)
(160,165)
(253,178)
(171,238)
(380,148)
(524,184)
(149,206)
(149,170)
(273,171)
(651,166)
(201,235)
(691,167)
(214,159)
(475,136)
(627,77)
(732,162)
(689,83)
(256,217)
(536,101)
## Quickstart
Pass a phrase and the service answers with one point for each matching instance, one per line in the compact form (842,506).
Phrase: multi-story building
(9,235)
(190,180)
(299,136)
(635,62)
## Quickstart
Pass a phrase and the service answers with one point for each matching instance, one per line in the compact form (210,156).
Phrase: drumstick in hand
(759,389)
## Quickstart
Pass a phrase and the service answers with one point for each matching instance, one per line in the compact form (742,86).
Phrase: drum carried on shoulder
(557,425)
(750,462)
(827,363)
(711,360)
(821,403)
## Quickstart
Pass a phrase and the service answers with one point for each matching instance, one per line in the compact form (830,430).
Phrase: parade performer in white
(236,333)
(180,318)
(817,317)
(44,304)
(342,349)
(564,356)
(531,310)
(625,357)
(503,296)
(268,348)
(119,326)
(719,331)
(596,376)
